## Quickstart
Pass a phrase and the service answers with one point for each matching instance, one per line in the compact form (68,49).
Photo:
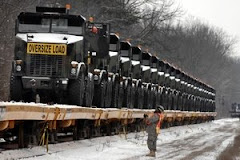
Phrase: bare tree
(9,10)
(201,50)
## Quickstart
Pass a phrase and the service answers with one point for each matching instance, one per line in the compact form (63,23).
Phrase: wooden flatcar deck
(15,111)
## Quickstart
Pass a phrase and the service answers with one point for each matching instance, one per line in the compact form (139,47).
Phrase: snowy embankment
(200,141)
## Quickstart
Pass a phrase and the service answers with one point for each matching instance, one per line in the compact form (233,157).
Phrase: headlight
(95,77)
(73,71)
(64,81)
(18,68)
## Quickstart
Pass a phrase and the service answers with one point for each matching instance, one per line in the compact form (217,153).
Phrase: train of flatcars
(62,58)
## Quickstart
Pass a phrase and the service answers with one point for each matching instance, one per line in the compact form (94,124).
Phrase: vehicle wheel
(108,97)
(174,99)
(127,96)
(155,96)
(89,93)
(140,97)
(158,95)
(100,94)
(115,90)
(133,95)
(151,98)
(16,88)
(146,98)
(76,90)
(120,95)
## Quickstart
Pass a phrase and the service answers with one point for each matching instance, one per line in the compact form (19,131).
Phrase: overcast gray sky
(221,13)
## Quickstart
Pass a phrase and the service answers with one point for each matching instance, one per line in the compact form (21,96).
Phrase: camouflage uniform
(151,130)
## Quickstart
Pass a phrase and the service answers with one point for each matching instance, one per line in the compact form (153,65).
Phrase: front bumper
(44,83)
(235,114)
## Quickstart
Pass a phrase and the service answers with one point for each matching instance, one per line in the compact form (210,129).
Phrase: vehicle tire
(147,95)
(108,97)
(151,98)
(158,96)
(115,91)
(127,96)
(101,93)
(133,95)
(120,95)
(154,97)
(16,88)
(89,91)
(140,97)
(76,90)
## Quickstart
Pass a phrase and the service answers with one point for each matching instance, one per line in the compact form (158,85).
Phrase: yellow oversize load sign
(47,49)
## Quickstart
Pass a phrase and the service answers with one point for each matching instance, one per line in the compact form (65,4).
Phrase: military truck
(126,73)
(138,92)
(52,57)
(114,71)
(235,110)
(146,78)
(154,81)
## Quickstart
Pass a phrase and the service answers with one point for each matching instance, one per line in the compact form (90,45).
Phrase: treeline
(196,47)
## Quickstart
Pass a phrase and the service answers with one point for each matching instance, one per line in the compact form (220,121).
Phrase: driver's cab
(49,43)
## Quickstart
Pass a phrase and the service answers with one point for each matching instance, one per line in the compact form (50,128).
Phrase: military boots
(151,154)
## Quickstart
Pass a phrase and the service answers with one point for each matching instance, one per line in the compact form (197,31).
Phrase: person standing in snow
(153,121)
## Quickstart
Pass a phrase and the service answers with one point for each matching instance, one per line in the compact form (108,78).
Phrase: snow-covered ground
(201,142)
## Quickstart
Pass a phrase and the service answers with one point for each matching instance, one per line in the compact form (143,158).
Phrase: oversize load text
(49,49)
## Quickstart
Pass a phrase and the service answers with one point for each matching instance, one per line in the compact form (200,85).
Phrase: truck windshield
(145,62)
(154,65)
(45,24)
(136,57)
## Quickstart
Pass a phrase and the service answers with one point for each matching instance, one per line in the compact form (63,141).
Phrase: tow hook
(33,82)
